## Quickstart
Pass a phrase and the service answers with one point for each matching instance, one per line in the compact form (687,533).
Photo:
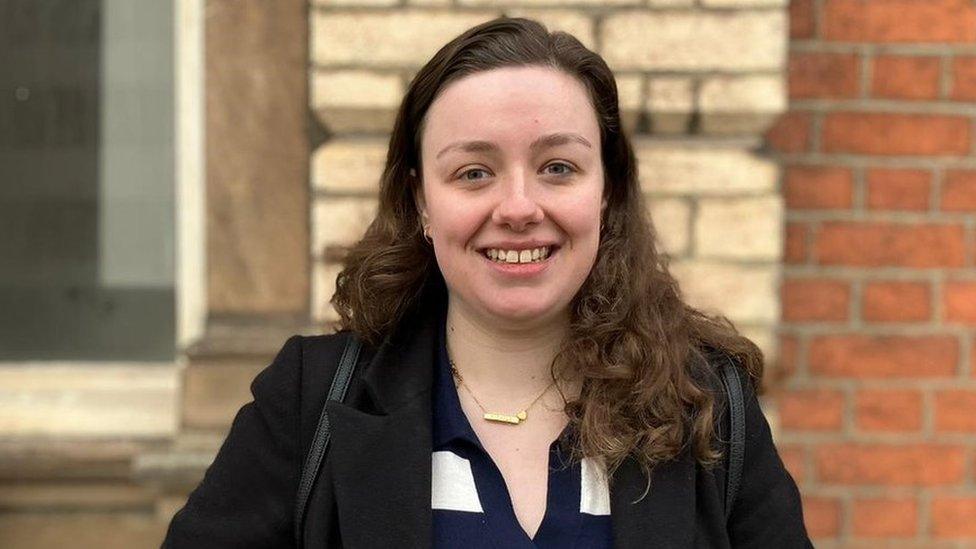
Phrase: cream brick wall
(744,3)
(669,104)
(345,165)
(672,221)
(741,104)
(386,38)
(704,167)
(698,81)
(695,40)
(356,100)
(746,228)
(344,219)
(580,25)
(746,293)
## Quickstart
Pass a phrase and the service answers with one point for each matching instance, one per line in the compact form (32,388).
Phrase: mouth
(523,256)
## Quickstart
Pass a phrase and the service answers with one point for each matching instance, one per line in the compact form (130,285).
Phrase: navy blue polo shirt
(469,499)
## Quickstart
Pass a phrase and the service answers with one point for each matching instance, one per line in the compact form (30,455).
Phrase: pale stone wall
(699,82)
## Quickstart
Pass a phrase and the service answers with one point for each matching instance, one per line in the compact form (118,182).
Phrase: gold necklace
(519,417)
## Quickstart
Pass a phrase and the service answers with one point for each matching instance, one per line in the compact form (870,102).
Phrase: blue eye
(464,175)
(569,169)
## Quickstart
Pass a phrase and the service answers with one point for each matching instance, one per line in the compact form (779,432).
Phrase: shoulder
(303,364)
(324,346)
(302,354)
(320,356)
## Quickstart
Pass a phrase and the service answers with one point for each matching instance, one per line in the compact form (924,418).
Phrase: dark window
(86,180)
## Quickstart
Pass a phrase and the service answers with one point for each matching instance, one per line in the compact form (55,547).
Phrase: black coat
(374,490)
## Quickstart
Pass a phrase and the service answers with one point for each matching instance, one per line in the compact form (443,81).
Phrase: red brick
(801,19)
(906,77)
(897,301)
(955,411)
(959,301)
(890,465)
(818,187)
(795,462)
(789,347)
(810,299)
(862,356)
(795,243)
(790,133)
(824,75)
(898,189)
(879,517)
(813,410)
(896,134)
(972,358)
(890,244)
(963,79)
(821,516)
(899,21)
(888,410)
(954,517)
(959,191)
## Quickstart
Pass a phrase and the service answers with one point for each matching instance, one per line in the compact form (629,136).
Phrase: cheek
(455,228)
(581,218)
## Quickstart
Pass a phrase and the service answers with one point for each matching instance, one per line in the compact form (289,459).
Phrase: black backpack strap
(737,438)
(320,442)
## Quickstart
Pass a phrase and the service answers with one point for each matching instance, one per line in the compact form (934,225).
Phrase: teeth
(518,256)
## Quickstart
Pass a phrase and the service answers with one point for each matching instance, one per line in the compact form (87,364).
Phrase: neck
(503,363)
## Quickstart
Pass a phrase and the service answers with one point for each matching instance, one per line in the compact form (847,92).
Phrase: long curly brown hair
(648,388)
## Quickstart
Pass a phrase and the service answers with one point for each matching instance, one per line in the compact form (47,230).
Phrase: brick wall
(879,295)
(699,82)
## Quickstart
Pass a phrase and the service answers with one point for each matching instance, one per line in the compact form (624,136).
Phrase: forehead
(511,106)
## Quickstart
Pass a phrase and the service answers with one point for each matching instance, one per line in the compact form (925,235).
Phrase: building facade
(806,165)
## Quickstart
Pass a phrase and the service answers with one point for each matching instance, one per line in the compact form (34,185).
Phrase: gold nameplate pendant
(505,418)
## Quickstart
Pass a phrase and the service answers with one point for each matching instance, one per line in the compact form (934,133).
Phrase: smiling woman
(526,133)
(531,376)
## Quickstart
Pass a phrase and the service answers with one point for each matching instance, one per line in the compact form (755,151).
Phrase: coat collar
(381,463)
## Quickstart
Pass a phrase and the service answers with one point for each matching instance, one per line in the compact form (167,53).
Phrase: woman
(531,377)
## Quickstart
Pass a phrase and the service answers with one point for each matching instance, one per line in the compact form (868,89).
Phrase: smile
(532,255)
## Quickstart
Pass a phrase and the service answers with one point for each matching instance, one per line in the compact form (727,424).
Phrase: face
(511,169)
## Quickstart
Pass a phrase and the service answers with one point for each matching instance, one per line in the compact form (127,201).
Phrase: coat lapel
(665,517)
(382,462)
(382,469)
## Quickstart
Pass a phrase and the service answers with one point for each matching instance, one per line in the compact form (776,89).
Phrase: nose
(517,208)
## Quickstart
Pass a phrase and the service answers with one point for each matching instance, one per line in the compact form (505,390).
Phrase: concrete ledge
(133,530)
(180,467)
(78,399)
(64,459)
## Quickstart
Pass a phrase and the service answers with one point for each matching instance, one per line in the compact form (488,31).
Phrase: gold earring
(427,234)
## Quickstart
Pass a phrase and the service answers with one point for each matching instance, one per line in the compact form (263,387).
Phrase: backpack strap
(737,439)
(320,442)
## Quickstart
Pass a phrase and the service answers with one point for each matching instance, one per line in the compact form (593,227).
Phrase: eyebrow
(545,141)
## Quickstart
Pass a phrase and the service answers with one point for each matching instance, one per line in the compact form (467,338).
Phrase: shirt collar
(450,423)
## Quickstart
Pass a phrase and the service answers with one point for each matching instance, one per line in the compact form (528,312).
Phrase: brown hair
(648,386)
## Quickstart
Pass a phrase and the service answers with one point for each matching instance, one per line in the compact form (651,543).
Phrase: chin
(520,309)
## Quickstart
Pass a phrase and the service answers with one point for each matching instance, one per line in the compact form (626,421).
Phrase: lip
(513,245)
(521,270)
